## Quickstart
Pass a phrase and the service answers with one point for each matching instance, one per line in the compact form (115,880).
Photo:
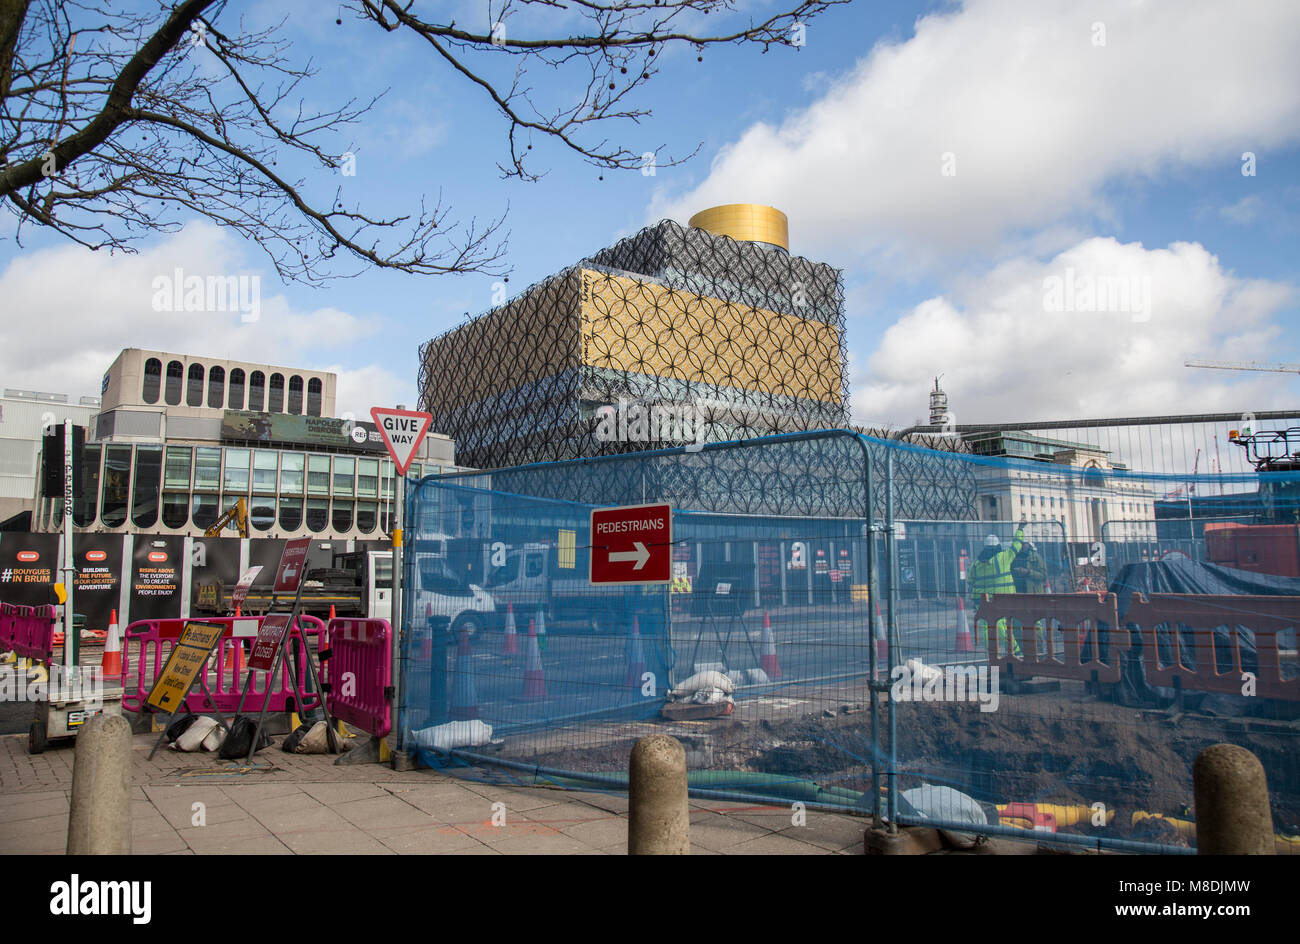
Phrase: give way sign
(632,544)
(403,431)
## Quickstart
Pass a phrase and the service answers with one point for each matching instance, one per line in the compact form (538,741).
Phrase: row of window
(193,485)
(1053,501)
(277,396)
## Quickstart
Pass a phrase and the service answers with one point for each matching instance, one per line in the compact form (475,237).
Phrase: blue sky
(1119,159)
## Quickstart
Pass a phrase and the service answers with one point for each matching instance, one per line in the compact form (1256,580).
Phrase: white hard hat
(992,541)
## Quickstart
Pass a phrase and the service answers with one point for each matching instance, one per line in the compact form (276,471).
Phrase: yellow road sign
(185,662)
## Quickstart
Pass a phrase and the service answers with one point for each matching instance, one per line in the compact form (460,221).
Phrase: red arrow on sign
(403,431)
(632,544)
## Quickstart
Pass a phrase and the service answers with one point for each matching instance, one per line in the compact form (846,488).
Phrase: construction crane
(237,513)
(1246,365)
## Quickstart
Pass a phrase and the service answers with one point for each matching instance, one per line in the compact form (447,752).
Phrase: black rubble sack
(240,738)
(177,728)
(290,744)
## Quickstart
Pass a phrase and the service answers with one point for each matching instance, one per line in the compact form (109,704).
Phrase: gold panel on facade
(646,328)
(751,222)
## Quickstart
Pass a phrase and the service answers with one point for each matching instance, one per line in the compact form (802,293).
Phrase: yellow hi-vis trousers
(981,632)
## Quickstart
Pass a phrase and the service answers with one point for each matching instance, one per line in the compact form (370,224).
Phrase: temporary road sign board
(186,660)
(632,544)
(269,637)
(240,593)
(293,560)
(402,431)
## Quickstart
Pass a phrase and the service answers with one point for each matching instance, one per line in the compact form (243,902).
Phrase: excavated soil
(1035,748)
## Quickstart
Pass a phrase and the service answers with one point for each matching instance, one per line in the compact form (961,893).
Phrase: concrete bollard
(1232,813)
(658,817)
(99,822)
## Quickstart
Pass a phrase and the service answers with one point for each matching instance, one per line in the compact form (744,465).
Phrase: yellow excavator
(237,513)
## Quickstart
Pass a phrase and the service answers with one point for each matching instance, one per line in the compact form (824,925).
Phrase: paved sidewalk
(303,804)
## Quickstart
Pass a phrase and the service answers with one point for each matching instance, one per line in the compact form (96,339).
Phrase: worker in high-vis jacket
(991,574)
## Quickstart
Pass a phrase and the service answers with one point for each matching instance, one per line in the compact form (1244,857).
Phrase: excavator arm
(237,513)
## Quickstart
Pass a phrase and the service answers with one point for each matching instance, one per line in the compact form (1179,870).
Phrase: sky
(1052,204)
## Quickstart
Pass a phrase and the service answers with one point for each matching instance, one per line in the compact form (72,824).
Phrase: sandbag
(317,740)
(177,728)
(948,805)
(704,680)
(213,741)
(453,734)
(192,737)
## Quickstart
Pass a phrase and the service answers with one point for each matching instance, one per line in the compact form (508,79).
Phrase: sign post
(71,643)
(402,432)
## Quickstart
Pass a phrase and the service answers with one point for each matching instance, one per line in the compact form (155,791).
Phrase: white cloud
(68,312)
(1243,211)
(1006,356)
(1038,119)
(360,388)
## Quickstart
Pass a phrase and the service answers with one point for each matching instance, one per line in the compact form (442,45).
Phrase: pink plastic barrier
(359,671)
(8,613)
(31,632)
(147,643)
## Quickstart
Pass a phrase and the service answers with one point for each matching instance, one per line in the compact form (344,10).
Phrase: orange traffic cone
(635,656)
(534,678)
(237,613)
(464,694)
(510,646)
(767,660)
(964,643)
(111,666)
(332,616)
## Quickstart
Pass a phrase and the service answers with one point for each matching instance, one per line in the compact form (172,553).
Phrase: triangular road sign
(403,430)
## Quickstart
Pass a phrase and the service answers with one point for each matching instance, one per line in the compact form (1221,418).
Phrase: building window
(342,520)
(318,514)
(194,389)
(261,512)
(148,476)
(367,516)
(275,402)
(176,473)
(152,380)
(175,374)
(176,509)
(207,468)
(295,394)
(205,510)
(314,396)
(235,478)
(290,514)
(216,387)
(256,391)
(117,481)
(291,464)
(236,400)
(87,499)
(318,475)
(343,469)
(367,478)
(264,466)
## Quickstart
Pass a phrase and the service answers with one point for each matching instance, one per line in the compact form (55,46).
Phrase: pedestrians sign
(403,431)
(632,544)
(293,561)
(183,664)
